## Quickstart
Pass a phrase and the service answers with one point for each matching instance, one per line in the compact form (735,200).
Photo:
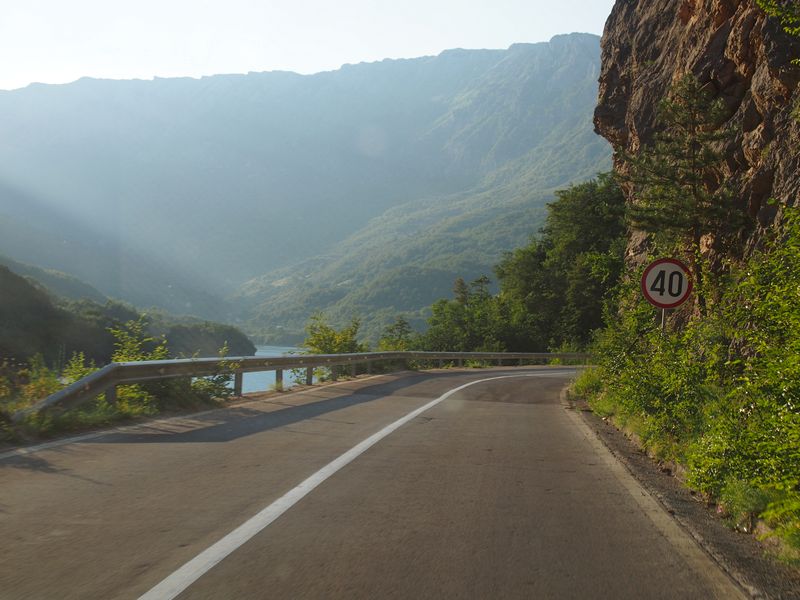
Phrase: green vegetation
(55,282)
(556,288)
(21,386)
(680,189)
(552,291)
(431,166)
(322,338)
(718,390)
(397,337)
(32,321)
(472,322)
(38,332)
(788,11)
(720,394)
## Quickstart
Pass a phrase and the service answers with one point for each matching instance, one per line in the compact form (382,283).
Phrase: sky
(58,41)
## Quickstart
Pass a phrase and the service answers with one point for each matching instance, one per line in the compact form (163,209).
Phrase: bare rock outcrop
(744,57)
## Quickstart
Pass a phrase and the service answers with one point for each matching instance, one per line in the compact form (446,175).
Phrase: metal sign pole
(663,320)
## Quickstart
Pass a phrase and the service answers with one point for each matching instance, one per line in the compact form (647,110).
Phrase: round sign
(666,283)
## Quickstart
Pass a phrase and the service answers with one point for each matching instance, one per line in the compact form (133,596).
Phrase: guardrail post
(309,375)
(111,395)
(238,379)
(353,370)
(279,379)
(460,362)
(369,367)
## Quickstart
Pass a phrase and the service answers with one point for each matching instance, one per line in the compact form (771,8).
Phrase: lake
(260,382)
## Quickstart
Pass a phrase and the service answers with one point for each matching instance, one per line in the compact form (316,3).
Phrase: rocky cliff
(744,56)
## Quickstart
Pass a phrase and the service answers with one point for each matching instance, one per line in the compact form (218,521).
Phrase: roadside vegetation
(23,384)
(35,320)
(718,391)
(552,292)
(48,341)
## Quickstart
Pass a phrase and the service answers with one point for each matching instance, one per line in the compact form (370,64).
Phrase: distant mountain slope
(175,192)
(536,105)
(51,237)
(404,260)
(56,282)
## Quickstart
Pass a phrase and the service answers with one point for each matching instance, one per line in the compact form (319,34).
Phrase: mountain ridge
(185,189)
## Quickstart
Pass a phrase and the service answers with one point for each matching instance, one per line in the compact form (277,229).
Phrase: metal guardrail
(109,377)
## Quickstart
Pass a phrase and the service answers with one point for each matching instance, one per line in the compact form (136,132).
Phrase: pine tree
(461,291)
(679,187)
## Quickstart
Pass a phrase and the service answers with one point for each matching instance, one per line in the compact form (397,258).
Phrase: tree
(131,343)
(680,189)
(460,291)
(321,338)
(397,337)
(555,288)
(473,322)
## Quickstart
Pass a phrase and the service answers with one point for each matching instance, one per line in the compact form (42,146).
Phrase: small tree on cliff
(679,188)
(788,11)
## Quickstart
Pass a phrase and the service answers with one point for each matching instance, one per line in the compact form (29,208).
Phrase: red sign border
(652,266)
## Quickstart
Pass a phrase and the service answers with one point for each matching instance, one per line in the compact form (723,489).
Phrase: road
(471,484)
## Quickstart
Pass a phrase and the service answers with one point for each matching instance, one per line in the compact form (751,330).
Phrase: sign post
(666,283)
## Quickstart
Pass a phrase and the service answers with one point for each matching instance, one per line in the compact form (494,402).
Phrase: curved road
(444,484)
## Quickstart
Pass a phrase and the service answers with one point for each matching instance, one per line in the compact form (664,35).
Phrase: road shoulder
(743,557)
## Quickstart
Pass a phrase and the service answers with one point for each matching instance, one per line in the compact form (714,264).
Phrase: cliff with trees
(700,101)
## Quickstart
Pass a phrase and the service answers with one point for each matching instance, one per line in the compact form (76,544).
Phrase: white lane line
(181,579)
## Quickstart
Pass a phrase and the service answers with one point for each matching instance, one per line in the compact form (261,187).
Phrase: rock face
(743,56)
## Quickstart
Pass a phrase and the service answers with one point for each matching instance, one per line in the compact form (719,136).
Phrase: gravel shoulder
(745,558)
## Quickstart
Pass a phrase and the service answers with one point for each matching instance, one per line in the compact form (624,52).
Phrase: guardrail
(109,377)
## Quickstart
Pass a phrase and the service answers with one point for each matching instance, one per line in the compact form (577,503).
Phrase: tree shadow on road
(230,424)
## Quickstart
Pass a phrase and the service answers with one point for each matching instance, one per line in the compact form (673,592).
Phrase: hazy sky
(57,41)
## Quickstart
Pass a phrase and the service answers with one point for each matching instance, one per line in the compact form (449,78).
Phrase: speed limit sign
(666,283)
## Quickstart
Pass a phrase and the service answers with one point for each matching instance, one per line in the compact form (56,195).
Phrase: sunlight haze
(51,41)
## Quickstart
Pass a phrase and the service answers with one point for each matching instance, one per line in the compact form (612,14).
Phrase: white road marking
(186,575)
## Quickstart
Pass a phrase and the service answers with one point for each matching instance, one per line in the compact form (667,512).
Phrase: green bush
(588,384)
(322,338)
(721,394)
(23,386)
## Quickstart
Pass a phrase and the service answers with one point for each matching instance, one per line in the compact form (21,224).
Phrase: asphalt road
(493,491)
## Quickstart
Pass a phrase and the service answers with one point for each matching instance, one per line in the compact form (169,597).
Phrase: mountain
(535,106)
(55,282)
(180,193)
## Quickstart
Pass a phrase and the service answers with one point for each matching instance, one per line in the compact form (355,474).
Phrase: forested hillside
(35,321)
(530,109)
(175,192)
